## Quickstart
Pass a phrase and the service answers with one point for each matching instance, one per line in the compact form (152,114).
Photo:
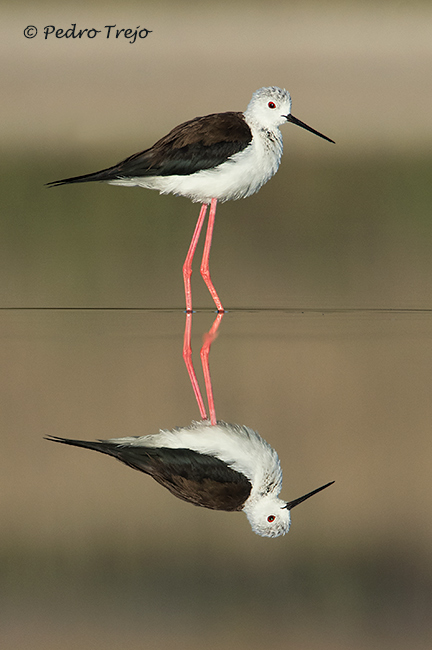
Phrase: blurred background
(325,350)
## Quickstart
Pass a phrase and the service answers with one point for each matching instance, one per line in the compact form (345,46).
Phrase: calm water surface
(92,550)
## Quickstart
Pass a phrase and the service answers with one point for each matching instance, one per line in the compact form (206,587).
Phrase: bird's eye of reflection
(271,518)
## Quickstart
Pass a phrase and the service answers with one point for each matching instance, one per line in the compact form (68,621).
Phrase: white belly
(240,176)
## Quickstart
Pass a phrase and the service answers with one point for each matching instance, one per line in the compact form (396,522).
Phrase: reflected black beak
(291,504)
(294,120)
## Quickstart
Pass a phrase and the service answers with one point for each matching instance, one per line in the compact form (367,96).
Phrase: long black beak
(294,120)
(291,504)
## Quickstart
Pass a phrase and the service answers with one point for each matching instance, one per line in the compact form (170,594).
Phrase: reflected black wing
(201,143)
(200,479)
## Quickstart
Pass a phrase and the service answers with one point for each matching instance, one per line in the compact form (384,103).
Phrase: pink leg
(187,356)
(205,272)
(205,350)
(187,266)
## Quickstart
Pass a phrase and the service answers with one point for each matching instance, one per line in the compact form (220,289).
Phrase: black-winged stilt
(223,467)
(218,157)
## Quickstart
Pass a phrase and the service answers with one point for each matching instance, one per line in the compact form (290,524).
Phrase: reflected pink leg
(187,356)
(205,350)
(205,272)
(187,266)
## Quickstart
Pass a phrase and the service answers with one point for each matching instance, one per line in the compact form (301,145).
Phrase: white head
(270,107)
(270,516)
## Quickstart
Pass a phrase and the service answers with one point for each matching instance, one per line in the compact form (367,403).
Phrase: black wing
(201,143)
(200,479)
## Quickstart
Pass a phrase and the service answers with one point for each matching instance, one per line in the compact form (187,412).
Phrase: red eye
(271,105)
(271,518)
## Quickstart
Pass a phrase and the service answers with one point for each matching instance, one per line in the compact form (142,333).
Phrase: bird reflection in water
(210,463)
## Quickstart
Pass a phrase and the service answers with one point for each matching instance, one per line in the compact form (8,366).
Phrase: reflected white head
(270,516)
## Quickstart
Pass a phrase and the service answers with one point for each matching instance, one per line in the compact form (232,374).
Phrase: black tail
(136,457)
(97,445)
(147,460)
(103,175)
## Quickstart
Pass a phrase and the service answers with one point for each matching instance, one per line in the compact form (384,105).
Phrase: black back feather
(197,478)
(201,143)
